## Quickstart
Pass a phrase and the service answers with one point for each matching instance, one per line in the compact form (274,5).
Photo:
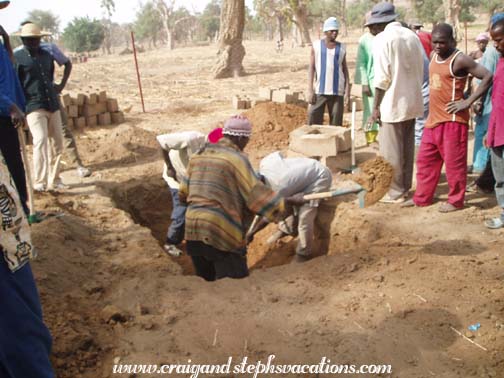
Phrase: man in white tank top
(328,67)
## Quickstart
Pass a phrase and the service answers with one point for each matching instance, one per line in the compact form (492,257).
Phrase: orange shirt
(444,87)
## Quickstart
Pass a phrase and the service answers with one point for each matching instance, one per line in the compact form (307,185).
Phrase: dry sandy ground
(390,285)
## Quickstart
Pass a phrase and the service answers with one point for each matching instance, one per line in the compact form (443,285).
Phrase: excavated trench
(148,201)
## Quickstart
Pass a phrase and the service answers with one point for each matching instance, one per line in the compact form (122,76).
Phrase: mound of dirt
(272,124)
(375,176)
(123,144)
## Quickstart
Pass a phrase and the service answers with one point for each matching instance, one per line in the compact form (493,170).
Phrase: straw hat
(33,31)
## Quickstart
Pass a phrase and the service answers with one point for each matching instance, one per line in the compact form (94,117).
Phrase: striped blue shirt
(330,79)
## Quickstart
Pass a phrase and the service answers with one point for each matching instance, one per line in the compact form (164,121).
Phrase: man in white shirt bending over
(288,177)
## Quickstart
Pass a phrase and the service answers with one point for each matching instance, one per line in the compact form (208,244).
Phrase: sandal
(448,208)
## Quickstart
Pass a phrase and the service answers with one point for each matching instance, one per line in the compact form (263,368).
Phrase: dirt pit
(148,201)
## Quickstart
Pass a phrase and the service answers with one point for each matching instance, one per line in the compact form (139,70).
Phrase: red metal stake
(137,71)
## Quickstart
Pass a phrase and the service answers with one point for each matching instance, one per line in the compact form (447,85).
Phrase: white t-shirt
(289,176)
(180,147)
(399,69)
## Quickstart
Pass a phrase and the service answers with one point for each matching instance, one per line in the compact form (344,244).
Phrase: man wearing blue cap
(328,67)
(25,342)
(399,74)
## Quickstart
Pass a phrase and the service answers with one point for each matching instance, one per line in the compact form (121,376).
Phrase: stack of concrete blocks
(89,110)
(330,145)
(241,102)
(282,95)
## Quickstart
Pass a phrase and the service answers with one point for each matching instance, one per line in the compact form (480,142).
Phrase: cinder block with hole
(320,141)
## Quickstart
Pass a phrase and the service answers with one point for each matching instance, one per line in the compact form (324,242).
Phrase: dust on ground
(389,287)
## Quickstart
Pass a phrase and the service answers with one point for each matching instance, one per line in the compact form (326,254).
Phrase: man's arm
(382,79)
(348,86)
(170,169)
(66,74)
(6,42)
(375,114)
(361,69)
(466,65)
(311,76)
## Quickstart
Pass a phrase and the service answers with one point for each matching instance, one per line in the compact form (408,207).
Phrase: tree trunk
(301,19)
(344,18)
(231,51)
(452,12)
(279,19)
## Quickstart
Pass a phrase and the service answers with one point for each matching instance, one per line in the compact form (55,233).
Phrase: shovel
(356,189)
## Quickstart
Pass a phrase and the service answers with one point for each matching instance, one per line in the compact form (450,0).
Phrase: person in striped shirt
(328,67)
(222,193)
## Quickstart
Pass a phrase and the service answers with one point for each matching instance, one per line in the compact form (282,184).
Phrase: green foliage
(356,12)
(253,22)
(148,24)
(45,19)
(491,6)
(83,34)
(467,10)
(210,19)
(430,11)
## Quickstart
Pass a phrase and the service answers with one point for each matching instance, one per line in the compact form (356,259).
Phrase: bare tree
(452,10)
(109,8)
(231,50)
(168,14)
(298,11)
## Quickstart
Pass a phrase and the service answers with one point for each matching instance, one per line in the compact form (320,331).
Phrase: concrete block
(104,119)
(80,122)
(74,101)
(102,96)
(92,99)
(70,123)
(117,117)
(359,106)
(338,163)
(240,103)
(283,96)
(91,121)
(265,93)
(73,111)
(81,99)
(320,141)
(66,100)
(89,110)
(112,105)
(101,107)
(258,101)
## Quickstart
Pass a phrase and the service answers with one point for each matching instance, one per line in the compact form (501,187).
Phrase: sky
(66,10)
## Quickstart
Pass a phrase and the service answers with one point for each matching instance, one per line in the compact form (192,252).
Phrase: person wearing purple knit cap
(223,193)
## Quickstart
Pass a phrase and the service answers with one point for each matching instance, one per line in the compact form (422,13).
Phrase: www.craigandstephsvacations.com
(256,369)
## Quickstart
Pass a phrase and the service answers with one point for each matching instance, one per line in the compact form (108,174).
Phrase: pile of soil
(375,176)
(123,144)
(272,123)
